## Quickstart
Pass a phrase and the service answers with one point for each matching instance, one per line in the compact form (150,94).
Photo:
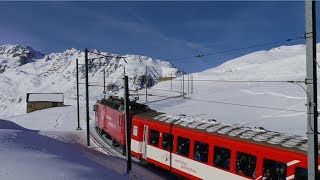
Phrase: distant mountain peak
(20,50)
(12,56)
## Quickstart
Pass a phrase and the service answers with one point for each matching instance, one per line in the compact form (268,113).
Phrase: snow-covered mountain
(12,56)
(23,70)
(281,63)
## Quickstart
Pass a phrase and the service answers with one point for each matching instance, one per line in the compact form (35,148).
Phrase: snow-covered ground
(45,145)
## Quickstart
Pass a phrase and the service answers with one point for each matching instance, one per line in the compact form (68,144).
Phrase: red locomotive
(205,149)
(110,118)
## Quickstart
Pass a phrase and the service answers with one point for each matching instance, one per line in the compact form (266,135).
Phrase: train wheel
(108,136)
(115,144)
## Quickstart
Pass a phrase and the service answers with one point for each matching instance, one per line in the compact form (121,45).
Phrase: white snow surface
(254,90)
(45,145)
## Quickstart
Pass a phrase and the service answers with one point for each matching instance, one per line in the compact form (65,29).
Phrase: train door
(145,142)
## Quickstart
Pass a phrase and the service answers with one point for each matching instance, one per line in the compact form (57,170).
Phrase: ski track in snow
(57,120)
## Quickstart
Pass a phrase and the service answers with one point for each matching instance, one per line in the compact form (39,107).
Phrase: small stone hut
(37,101)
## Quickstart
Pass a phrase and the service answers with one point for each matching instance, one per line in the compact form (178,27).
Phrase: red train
(110,118)
(204,149)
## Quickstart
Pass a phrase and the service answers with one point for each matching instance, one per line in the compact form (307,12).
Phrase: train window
(167,142)
(201,151)
(274,169)
(246,164)
(116,106)
(222,157)
(183,146)
(154,137)
(135,131)
(301,174)
(121,108)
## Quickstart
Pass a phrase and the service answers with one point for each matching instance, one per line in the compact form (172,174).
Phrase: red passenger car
(211,150)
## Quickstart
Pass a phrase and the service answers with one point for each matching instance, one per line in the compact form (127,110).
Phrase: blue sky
(162,30)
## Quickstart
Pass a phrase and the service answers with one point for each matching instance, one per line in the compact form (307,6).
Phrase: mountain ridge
(56,72)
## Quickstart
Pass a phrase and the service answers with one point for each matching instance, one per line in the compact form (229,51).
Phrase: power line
(233,104)
(238,49)
(107,56)
(315,60)
(99,54)
(221,80)
(245,105)
(252,81)
(165,90)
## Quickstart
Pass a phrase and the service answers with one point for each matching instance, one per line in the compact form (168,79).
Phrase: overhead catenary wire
(225,80)
(225,103)
(245,105)
(246,81)
(315,60)
(233,104)
(201,55)
(99,54)
(209,54)
(107,56)
(238,49)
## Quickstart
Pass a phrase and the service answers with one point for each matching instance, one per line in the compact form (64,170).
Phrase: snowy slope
(278,106)
(282,63)
(56,72)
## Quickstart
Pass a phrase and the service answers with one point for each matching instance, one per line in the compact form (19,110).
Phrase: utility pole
(87,88)
(311,83)
(171,80)
(87,95)
(146,82)
(104,83)
(191,83)
(188,81)
(78,108)
(180,83)
(128,123)
(183,84)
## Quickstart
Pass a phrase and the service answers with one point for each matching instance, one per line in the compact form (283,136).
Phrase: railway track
(104,145)
(107,148)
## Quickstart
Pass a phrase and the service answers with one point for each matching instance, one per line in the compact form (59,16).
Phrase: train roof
(254,135)
(118,104)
